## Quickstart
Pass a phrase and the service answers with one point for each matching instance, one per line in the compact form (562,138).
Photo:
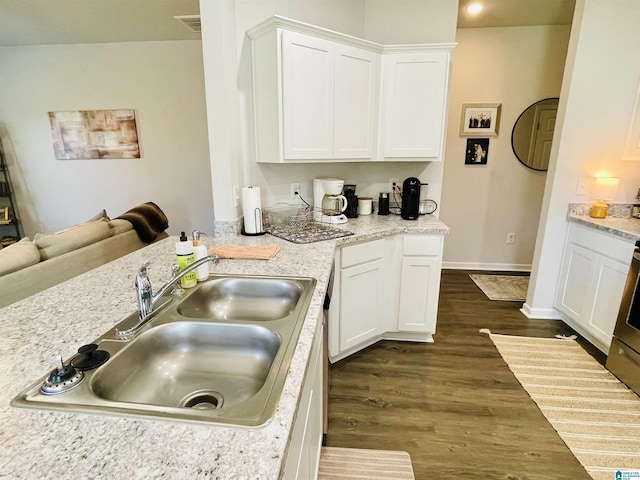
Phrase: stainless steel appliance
(410,199)
(624,354)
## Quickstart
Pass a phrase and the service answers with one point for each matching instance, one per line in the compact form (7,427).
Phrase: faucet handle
(142,282)
(143,268)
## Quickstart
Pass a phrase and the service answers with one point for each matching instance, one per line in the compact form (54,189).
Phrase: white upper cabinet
(308,96)
(356,100)
(329,96)
(414,104)
(317,96)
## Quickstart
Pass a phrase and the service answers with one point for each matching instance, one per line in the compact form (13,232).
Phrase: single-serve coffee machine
(328,201)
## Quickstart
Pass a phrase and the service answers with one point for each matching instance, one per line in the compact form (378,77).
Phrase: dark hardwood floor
(454,405)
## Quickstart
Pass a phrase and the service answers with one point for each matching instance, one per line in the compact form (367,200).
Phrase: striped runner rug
(355,463)
(596,415)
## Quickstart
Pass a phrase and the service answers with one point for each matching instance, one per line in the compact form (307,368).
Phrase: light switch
(582,187)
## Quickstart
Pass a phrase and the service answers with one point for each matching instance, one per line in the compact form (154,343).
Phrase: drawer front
(361,253)
(603,243)
(421,245)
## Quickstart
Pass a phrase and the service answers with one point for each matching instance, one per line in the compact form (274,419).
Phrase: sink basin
(256,299)
(190,364)
(219,354)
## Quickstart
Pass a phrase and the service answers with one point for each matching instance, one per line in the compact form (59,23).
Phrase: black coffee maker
(410,199)
(349,192)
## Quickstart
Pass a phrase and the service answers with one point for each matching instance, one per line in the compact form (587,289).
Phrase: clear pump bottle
(200,250)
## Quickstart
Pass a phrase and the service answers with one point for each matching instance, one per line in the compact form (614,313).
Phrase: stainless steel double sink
(217,354)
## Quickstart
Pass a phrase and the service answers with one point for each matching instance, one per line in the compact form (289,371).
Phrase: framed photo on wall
(480,119)
(477,151)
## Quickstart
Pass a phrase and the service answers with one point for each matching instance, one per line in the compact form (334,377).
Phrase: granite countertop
(625,227)
(38,444)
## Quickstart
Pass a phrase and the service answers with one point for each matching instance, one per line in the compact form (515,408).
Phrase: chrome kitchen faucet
(147,300)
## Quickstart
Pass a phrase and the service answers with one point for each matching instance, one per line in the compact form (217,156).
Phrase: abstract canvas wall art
(94,134)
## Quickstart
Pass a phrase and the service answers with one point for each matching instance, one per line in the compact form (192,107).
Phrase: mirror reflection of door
(542,135)
(532,134)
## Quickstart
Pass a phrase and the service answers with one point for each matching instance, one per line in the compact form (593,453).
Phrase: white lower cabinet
(303,455)
(594,270)
(384,289)
(419,283)
(361,278)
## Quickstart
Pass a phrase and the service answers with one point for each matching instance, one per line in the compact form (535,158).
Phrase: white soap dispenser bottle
(200,250)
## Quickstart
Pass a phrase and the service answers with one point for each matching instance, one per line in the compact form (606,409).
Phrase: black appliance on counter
(624,354)
(352,201)
(410,199)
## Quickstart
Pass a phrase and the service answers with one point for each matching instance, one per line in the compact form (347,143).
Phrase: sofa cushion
(54,244)
(18,255)
(118,226)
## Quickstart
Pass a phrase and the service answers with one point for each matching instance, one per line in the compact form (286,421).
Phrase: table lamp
(604,189)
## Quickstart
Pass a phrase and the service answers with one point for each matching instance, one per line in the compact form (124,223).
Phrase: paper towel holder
(252,212)
(257,212)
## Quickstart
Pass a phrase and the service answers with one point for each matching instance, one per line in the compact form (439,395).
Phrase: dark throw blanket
(148,221)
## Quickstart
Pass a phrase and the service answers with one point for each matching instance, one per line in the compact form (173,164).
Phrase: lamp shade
(605,188)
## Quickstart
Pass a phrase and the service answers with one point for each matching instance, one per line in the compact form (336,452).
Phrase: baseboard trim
(508,267)
(540,313)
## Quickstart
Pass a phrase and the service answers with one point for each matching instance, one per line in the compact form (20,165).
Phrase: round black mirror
(532,134)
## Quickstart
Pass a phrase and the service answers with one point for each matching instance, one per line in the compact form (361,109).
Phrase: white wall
(513,66)
(162,81)
(602,77)
(410,21)
(426,20)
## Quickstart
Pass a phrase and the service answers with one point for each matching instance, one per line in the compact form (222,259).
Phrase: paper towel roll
(252,210)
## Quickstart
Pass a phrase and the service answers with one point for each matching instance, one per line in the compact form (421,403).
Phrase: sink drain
(203,400)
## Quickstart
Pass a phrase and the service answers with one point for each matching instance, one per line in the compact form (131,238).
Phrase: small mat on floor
(596,415)
(355,463)
(511,288)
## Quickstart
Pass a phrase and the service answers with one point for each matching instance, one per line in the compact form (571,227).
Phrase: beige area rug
(511,288)
(354,463)
(596,415)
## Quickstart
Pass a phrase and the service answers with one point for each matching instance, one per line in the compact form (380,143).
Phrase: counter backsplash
(615,209)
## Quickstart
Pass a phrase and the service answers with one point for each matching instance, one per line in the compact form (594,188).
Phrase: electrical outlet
(295,190)
(236,196)
(392,182)
(511,238)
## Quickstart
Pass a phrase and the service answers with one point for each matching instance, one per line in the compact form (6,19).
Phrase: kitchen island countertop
(37,444)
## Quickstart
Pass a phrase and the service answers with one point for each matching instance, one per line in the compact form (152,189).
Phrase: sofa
(33,265)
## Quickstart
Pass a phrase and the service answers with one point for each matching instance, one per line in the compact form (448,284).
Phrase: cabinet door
(356,92)
(303,454)
(360,296)
(419,290)
(308,96)
(592,278)
(609,281)
(415,98)
(575,279)
(419,283)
